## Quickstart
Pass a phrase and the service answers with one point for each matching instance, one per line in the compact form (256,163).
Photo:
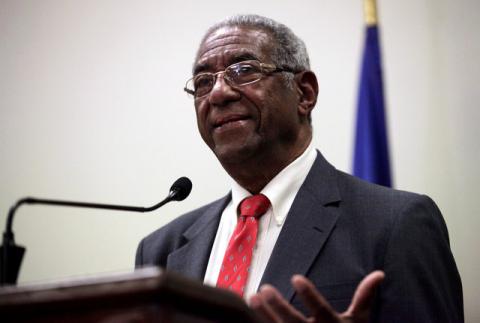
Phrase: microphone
(11,255)
(181,189)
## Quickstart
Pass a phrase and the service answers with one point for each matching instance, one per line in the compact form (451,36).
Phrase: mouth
(229,121)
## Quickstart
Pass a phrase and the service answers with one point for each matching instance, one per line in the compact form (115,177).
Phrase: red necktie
(236,263)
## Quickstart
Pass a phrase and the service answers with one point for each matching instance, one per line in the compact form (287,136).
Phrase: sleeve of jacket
(139,262)
(422,282)
(153,250)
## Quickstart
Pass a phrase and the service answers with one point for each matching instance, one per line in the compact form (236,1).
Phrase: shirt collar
(283,188)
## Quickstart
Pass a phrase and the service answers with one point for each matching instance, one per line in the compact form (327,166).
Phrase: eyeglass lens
(236,74)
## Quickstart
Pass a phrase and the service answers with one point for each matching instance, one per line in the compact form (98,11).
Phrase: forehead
(229,45)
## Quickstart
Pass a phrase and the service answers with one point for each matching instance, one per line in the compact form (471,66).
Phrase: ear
(307,88)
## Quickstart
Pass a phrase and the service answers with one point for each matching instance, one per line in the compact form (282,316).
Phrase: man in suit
(254,93)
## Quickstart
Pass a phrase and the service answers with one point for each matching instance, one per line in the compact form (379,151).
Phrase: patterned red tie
(236,263)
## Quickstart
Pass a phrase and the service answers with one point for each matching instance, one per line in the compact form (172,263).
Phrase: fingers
(260,307)
(364,295)
(315,302)
(271,305)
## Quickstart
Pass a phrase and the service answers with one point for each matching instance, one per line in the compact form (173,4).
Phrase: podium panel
(146,295)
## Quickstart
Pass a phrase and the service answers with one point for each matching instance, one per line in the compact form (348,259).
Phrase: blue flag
(371,157)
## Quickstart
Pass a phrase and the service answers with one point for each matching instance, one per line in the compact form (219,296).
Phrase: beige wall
(92,108)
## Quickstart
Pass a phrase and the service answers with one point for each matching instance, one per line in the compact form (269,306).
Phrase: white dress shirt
(281,192)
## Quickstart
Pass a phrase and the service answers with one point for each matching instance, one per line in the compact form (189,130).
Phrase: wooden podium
(146,295)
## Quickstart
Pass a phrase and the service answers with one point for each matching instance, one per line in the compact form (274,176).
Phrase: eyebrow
(200,68)
(236,59)
(242,57)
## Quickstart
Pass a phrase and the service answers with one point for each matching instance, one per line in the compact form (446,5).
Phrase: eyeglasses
(238,74)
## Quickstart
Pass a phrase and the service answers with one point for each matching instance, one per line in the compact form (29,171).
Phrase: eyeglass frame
(265,69)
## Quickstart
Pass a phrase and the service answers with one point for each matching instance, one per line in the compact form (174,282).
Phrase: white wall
(92,108)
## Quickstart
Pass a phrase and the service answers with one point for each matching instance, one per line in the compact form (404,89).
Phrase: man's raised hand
(272,307)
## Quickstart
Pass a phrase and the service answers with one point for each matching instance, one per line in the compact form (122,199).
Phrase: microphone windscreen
(181,189)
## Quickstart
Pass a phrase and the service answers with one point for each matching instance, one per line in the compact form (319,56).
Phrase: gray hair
(289,51)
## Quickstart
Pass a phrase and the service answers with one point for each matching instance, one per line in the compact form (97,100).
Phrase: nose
(222,93)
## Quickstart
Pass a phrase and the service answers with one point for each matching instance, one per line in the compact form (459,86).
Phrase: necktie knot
(256,206)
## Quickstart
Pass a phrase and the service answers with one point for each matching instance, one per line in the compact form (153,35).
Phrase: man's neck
(255,173)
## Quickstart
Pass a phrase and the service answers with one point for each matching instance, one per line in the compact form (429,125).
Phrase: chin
(231,154)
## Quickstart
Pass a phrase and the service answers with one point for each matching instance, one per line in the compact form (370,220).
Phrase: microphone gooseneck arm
(32,200)
(180,189)
(11,254)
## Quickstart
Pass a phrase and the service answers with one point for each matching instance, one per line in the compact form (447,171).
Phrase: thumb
(363,298)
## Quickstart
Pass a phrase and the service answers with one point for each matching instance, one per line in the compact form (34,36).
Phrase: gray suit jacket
(338,229)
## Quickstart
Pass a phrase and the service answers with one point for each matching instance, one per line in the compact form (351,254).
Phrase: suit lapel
(310,221)
(192,258)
